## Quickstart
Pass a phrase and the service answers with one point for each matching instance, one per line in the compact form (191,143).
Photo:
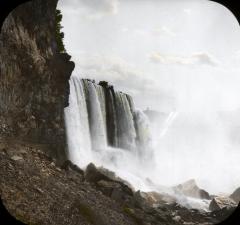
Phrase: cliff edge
(33,77)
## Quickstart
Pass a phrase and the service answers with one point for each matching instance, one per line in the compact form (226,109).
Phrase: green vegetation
(59,34)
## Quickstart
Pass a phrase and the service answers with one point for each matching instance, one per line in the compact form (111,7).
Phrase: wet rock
(139,200)
(190,188)
(221,202)
(236,195)
(107,187)
(108,183)
(110,174)
(93,175)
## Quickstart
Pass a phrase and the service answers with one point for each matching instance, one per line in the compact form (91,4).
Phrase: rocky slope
(33,77)
(36,191)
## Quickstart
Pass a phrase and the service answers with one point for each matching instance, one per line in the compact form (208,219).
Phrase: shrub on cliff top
(59,34)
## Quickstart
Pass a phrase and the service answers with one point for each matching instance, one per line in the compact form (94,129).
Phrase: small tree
(59,34)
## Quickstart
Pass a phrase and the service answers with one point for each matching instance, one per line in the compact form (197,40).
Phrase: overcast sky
(179,55)
(170,55)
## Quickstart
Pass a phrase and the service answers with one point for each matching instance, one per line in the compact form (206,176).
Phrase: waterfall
(98,117)
(126,129)
(104,127)
(144,140)
(97,114)
(111,116)
(77,124)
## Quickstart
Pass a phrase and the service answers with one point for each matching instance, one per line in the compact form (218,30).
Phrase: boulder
(190,189)
(108,183)
(236,195)
(115,190)
(139,200)
(93,175)
(221,202)
(107,187)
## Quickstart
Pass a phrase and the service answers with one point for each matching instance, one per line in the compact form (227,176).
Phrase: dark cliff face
(33,77)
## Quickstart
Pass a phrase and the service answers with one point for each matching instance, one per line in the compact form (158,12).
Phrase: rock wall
(33,77)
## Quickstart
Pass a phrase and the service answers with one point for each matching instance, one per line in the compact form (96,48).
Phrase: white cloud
(196,58)
(114,69)
(91,8)
(146,33)
(125,77)
(104,6)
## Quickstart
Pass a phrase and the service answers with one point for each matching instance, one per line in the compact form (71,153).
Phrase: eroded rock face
(190,188)
(33,77)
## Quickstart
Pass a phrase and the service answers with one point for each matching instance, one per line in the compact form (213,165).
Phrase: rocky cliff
(33,77)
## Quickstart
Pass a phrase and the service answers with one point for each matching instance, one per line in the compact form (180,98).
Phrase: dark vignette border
(6,6)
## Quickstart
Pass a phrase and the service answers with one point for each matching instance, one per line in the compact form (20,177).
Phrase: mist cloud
(196,58)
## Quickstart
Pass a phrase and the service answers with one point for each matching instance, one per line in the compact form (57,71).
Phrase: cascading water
(96,115)
(100,120)
(126,129)
(104,127)
(144,140)
(77,124)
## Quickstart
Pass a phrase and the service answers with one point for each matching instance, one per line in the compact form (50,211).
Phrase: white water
(87,133)
(97,114)
(76,120)
(126,129)
(147,155)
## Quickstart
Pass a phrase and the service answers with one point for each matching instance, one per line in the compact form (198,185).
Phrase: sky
(169,55)
(181,55)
